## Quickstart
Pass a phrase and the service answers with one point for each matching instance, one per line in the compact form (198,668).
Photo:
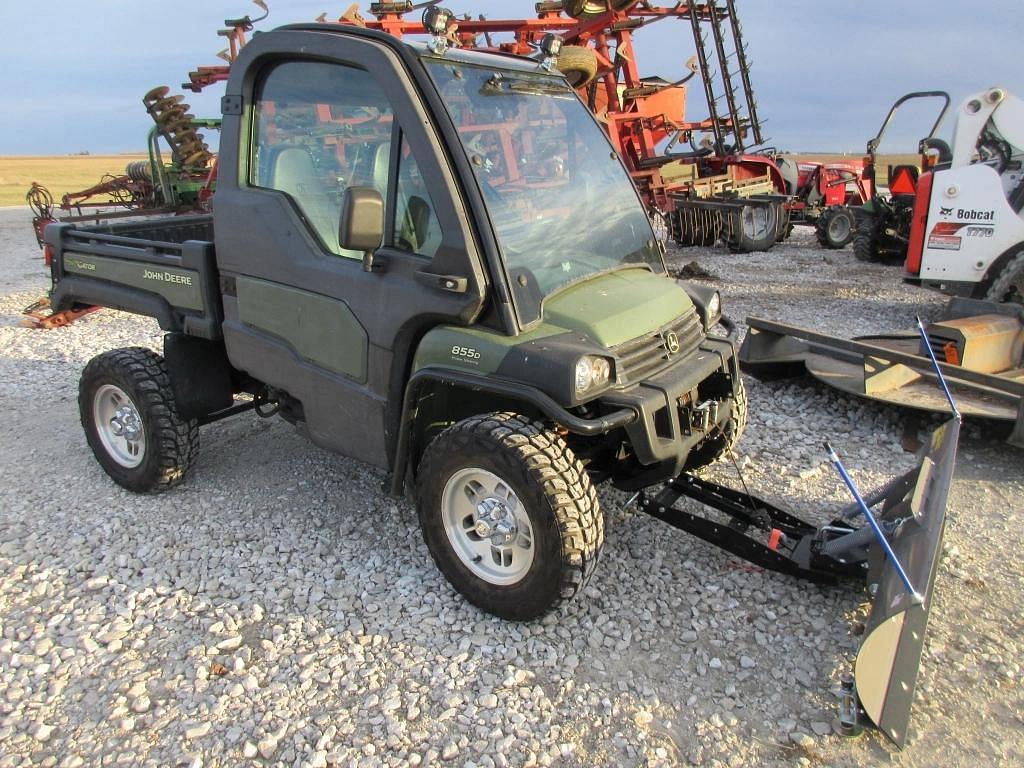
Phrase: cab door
(301,314)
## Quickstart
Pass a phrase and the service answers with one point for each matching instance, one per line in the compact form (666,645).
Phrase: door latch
(450,283)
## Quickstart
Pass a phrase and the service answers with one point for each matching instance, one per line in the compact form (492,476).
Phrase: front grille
(647,355)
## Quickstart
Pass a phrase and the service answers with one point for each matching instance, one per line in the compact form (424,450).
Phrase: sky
(825,71)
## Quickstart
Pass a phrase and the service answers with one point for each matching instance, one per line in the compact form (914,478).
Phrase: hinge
(231,105)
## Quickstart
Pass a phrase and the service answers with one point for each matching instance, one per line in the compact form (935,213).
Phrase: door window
(320,128)
(416,226)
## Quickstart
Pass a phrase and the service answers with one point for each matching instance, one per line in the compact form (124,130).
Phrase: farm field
(59,174)
(71,173)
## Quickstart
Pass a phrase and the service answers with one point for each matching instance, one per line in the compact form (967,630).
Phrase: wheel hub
(119,426)
(494,521)
(838,228)
(126,423)
(487,526)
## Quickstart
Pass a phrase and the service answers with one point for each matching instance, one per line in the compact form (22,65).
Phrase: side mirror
(362,222)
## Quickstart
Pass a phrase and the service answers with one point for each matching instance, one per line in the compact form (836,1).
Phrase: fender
(501,387)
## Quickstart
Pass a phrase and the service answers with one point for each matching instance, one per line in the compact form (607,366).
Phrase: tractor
(883,222)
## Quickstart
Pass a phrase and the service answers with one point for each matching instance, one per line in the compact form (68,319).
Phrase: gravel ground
(279,609)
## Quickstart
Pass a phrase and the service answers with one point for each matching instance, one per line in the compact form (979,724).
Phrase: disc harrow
(176,124)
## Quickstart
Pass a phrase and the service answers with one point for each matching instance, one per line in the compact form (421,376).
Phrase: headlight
(591,373)
(707,301)
(714,309)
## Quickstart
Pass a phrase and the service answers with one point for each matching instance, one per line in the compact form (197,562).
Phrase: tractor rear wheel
(578,63)
(583,9)
(836,227)
(1009,283)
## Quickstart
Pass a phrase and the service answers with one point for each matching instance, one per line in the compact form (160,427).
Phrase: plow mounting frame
(910,513)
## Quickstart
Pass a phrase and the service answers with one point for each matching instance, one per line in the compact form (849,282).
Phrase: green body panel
(609,309)
(179,286)
(617,307)
(477,350)
(321,330)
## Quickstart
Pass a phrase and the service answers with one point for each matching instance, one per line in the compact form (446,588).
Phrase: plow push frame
(896,552)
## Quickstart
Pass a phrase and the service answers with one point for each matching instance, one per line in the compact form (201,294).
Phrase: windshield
(561,204)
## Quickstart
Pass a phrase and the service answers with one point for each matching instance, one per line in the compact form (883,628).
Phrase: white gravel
(279,609)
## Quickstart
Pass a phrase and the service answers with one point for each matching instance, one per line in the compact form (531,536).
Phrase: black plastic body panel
(161,243)
(201,376)
(659,439)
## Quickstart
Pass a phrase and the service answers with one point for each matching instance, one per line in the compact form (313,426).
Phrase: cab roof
(496,59)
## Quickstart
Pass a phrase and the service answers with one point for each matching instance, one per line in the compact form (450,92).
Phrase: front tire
(1009,284)
(509,515)
(865,242)
(836,227)
(131,422)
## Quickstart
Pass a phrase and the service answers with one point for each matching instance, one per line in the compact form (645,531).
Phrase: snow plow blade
(895,552)
(890,655)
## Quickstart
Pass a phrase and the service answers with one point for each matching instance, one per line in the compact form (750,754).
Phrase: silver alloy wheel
(487,526)
(119,426)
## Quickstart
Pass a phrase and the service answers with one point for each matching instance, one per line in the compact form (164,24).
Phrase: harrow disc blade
(168,102)
(890,655)
(155,94)
(174,116)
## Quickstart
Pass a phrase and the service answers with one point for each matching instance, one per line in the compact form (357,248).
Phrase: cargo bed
(164,268)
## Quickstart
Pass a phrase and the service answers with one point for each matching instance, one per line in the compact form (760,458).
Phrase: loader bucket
(889,657)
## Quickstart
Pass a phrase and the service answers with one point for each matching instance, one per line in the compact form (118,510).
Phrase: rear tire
(1009,284)
(509,515)
(725,439)
(836,227)
(131,422)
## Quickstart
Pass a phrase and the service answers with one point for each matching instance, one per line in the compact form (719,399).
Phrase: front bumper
(679,408)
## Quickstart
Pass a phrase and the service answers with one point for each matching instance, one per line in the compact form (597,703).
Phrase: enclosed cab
(433,261)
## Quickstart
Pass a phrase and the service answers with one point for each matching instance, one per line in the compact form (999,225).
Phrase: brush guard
(911,520)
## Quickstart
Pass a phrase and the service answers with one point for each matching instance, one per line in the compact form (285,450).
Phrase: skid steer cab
(967,233)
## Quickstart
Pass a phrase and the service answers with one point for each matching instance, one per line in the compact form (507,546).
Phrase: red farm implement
(824,195)
(719,186)
(704,181)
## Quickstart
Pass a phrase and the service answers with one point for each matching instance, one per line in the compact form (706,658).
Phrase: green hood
(618,307)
